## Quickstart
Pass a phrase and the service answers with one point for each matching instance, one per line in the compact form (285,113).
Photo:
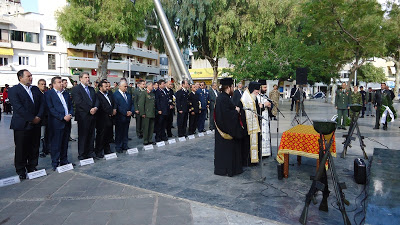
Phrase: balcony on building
(121,65)
(121,49)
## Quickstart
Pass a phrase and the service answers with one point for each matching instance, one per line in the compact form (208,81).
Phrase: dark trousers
(27,144)
(139,126)
(103,138)
(291,106)
(378,117)
(170,120)
(211,124)
(201,120)
(193,122)
(121,135)
(86,137)
(182,119)
(59,145)
(148,128)
(161,126)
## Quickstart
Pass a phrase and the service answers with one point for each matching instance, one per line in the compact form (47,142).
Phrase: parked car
(318,95)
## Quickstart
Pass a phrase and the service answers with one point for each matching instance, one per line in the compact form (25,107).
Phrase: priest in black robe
(229,133)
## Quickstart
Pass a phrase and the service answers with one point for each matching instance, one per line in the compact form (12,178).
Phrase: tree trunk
(103,57)
(102,68)
(214,65)
(397,79)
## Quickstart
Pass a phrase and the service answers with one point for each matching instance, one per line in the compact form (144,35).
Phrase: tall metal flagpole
(172,42)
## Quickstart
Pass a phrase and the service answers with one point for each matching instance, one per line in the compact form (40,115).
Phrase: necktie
(88,92)
(126,99)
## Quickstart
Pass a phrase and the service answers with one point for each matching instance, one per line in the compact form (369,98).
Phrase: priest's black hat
(262,82)
(254,86)
(227,81)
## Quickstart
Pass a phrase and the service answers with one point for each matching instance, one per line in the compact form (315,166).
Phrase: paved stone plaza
(175,184)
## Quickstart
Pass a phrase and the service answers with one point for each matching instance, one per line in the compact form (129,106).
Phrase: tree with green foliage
(392,36)
(103,23)
(371,74)
(192,23)
(351,31)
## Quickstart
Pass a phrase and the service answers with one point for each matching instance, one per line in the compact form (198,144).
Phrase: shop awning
(6,51)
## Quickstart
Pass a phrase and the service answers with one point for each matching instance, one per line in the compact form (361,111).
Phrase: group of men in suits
(98,113)
(192,103)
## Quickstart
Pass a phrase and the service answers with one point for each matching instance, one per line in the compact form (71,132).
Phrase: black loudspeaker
(301,76)
(360,171)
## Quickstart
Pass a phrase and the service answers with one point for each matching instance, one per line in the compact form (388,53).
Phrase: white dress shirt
(29,91)
(62,99)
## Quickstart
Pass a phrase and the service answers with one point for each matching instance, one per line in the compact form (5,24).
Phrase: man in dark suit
(194,109)
(182,108)
(60,111)
(379,95)
(162,109)
(205,102)
(292,93)
(45,129)
(171,101)
(67,90)
(104,120)
(125,108)
(237,94)
(86,105)
(213,97)
(28,105)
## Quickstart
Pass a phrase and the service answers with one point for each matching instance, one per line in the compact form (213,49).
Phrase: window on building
(149,62)
(23,60)
(163,72)
(140,44)
(140,60)
(24,36)
(164,61)
(52,61)
(4,36)
(16,35)
(51,40)
(3,61)
(149,48)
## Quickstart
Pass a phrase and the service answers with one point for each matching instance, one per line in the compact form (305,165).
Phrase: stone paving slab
(124,205)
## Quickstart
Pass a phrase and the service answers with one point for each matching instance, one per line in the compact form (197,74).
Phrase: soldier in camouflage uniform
(356,98)
(342,101)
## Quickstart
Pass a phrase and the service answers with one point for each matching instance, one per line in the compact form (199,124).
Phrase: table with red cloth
(301,140)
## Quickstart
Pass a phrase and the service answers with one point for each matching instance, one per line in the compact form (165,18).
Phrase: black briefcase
(360,171)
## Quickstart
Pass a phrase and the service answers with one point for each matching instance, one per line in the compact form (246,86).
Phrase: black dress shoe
(81,157)
(100,156)
(165,139)
(54,168)
(140,136)
(384,128)
(130,139)
(42,155)
(344,128)
(153,143)
(120,151)
(22,176)
(361,116)
(376,128)
(31,170)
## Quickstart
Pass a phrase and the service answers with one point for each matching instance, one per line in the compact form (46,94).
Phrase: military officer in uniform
(182,108)
(356,98)
(136,93)
(342,101)
(147,110)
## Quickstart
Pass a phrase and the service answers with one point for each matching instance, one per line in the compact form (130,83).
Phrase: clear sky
(30,5)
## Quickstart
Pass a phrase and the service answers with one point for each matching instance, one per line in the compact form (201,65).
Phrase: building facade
(31,41)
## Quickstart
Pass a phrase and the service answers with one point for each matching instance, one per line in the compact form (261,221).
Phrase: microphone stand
(259,150)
